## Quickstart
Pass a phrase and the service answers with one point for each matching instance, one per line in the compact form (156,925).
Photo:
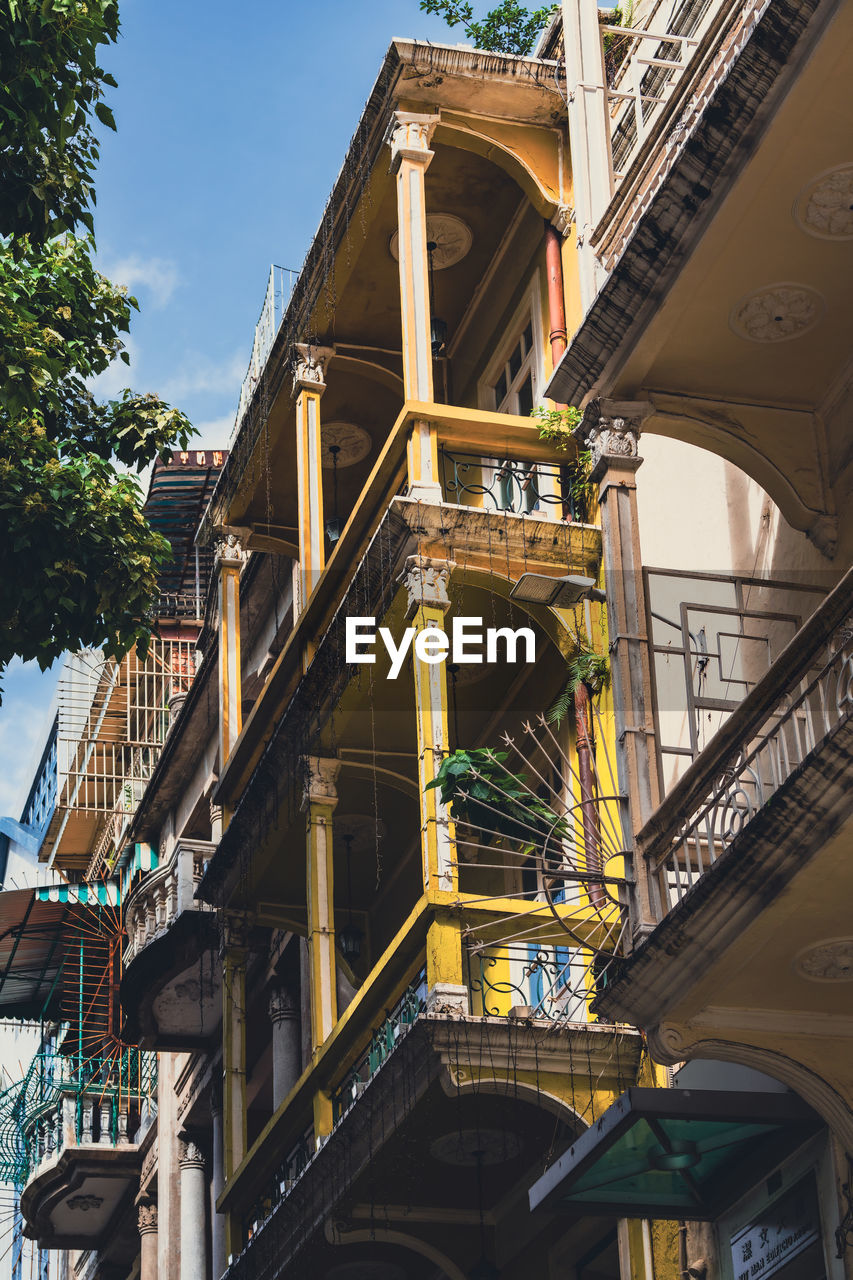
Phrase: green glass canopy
(675,1153)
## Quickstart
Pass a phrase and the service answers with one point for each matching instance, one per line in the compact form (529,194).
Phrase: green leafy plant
(587,668)
(557,425)
(508,28)
(480,790)
(51,94)
(82,563)
(616,47)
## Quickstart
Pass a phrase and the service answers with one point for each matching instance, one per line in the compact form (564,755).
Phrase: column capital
(309,367)
(229,549)
(146,1217)
(190,1155)
(409,136)
(236,930)
(320,785)
(426,581)
(611,431)
(562,219)
(283,1006)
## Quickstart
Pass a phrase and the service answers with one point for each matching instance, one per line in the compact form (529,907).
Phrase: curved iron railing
(524,488)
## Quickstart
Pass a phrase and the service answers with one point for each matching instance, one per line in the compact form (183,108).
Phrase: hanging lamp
(350,937)
(438,327)
(333,525)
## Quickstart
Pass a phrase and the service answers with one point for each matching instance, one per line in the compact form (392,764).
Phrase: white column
(589,132)
(286,1055)
(230,558)
(309,383)
(409,139)
(193,1242)
(217,1185)
(147,1223)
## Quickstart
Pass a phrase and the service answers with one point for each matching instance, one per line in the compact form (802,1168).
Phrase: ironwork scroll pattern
(520,487)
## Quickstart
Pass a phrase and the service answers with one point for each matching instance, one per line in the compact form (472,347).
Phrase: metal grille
(113,720)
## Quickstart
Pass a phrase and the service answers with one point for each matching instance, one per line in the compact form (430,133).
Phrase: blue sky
(233,121)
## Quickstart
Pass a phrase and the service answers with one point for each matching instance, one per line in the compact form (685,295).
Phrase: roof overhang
(675,1153)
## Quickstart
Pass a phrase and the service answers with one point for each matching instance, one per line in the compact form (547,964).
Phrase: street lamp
(559,593)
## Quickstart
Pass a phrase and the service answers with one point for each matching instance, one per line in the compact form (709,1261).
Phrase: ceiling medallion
(353,443)
(466,1147)
(828,961)
(451,236)
(777,313)
(824,208)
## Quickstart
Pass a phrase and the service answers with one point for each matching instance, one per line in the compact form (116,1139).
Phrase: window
(515,391)
(515,387)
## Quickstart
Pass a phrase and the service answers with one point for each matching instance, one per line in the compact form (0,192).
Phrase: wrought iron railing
(508,485)
(531,980)
(802,702)
(288,1172)
(63,1102)
(279,288)
(382,1044)
(662,74)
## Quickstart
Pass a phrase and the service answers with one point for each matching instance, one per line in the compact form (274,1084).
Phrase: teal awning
(675,1153)
(104,893)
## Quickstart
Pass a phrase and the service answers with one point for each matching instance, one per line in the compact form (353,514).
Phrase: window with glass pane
(515,391)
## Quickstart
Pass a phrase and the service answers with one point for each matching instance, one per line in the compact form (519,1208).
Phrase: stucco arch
(756,438)
(523,1091)
(502,144)
(668,1045)
(337,1234)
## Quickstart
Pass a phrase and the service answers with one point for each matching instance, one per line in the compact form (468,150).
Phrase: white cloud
(154,278)
(213,434)
(200,373)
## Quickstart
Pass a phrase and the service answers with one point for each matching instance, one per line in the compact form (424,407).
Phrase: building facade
(457,888)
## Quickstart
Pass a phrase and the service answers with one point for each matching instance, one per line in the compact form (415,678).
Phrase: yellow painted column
(426,583)
(409,139)
(309,383)
(319,803)
(235,954)
(229,560)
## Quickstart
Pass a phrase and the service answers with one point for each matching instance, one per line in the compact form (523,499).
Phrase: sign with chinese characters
(199,457)
(783,1230)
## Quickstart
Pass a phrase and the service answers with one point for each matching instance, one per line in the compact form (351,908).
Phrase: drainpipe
(582,707)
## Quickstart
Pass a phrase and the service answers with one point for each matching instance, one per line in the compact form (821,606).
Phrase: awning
(675,1153)
(37,929)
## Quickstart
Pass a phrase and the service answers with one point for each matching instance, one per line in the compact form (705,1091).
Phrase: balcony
(394,1074)
(78,1126)
(741,911)
(794,718)
(170,989)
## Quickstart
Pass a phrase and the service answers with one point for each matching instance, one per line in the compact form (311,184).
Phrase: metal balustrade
(64,1102)
(797,706)
(525,488)
(661,73)
(286,1175)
